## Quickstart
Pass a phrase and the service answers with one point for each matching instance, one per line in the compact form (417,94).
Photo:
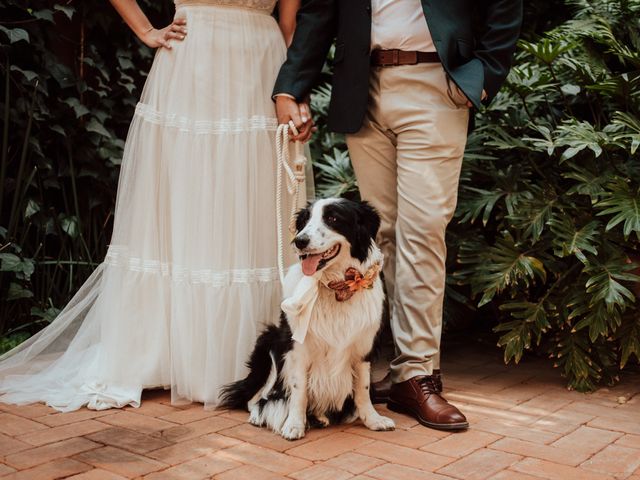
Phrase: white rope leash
(294,179)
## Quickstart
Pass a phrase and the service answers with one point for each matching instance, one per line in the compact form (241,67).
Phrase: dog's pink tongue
(310,264)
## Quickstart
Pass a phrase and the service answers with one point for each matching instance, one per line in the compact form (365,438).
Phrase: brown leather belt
(393,58)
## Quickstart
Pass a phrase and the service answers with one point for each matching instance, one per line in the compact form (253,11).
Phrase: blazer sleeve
(315,31)
(497,42)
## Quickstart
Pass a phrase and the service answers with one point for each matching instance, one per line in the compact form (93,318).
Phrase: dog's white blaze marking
(315,223)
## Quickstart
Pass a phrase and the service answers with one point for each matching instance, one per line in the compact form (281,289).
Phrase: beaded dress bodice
(261,5)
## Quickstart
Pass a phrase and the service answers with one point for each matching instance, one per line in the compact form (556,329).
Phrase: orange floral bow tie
(354,281)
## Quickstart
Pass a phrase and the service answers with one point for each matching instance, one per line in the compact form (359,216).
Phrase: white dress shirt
(400,24)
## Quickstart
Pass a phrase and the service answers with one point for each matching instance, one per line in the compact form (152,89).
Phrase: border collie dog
(313,369)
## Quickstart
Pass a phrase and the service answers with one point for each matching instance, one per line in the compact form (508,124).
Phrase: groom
(406,75)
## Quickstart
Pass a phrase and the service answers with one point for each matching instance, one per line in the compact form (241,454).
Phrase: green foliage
(335,175)
(12,340)
(549,211)
(70,75)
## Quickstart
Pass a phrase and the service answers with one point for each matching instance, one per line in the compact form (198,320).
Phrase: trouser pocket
(455,94)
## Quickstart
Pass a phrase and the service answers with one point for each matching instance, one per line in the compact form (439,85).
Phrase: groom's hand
(287,109)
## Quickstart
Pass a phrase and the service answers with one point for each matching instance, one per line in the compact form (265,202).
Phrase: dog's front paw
(379,423)
(293,430)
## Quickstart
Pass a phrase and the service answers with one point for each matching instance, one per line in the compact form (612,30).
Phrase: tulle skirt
(190,276)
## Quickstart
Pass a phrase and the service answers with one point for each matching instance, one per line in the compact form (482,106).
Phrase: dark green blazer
(474,38)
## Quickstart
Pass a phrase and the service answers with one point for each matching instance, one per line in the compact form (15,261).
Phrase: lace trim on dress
(184,124)
(118,256)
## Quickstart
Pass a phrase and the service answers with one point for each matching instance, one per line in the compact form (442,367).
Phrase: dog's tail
(262,375)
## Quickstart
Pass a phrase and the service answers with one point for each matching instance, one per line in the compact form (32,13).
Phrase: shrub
(71,74)
(549,210)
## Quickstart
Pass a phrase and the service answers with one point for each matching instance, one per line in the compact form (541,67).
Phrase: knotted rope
(294,175)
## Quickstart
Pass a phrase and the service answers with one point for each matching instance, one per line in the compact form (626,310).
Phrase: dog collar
(354,281)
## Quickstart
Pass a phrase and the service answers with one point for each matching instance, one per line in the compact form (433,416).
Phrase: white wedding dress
(190,275)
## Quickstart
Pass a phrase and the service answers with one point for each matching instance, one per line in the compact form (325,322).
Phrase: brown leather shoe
(380,389)
(420,397)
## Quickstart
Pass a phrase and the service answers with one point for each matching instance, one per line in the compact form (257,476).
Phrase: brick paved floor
(524,425)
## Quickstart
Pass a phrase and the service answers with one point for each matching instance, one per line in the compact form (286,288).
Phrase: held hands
(160,38)
(287,109)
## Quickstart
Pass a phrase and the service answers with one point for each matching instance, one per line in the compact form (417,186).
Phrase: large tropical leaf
(631,126)
(578,136)
(629,342)
(531,321)
(572,240)
(622,203)
(606,282)
(498,267)
(533,214)
(573,353)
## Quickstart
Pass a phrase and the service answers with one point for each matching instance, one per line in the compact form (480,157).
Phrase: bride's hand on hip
(155,38)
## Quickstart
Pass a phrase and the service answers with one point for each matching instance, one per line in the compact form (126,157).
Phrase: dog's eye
(332,219)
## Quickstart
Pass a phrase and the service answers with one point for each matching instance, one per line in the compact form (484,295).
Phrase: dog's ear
(369,219)
(302,217)
(367,224)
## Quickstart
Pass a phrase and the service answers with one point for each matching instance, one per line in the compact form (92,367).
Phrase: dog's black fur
(274,339)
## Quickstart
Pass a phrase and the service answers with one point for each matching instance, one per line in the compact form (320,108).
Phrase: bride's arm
(131,13)
(287,14)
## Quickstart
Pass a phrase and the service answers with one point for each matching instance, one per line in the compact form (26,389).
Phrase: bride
(190,273)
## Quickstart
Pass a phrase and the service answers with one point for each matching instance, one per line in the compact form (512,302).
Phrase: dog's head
(333,229)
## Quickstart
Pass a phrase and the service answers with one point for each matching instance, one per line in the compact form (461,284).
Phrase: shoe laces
(430,384)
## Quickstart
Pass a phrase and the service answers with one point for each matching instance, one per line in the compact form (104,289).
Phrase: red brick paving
(524,426)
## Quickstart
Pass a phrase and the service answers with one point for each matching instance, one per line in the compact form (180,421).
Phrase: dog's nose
(302,241)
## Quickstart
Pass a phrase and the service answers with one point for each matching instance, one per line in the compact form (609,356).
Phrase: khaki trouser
(407,158)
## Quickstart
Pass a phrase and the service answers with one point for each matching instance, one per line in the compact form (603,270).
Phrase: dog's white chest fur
(340,333)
